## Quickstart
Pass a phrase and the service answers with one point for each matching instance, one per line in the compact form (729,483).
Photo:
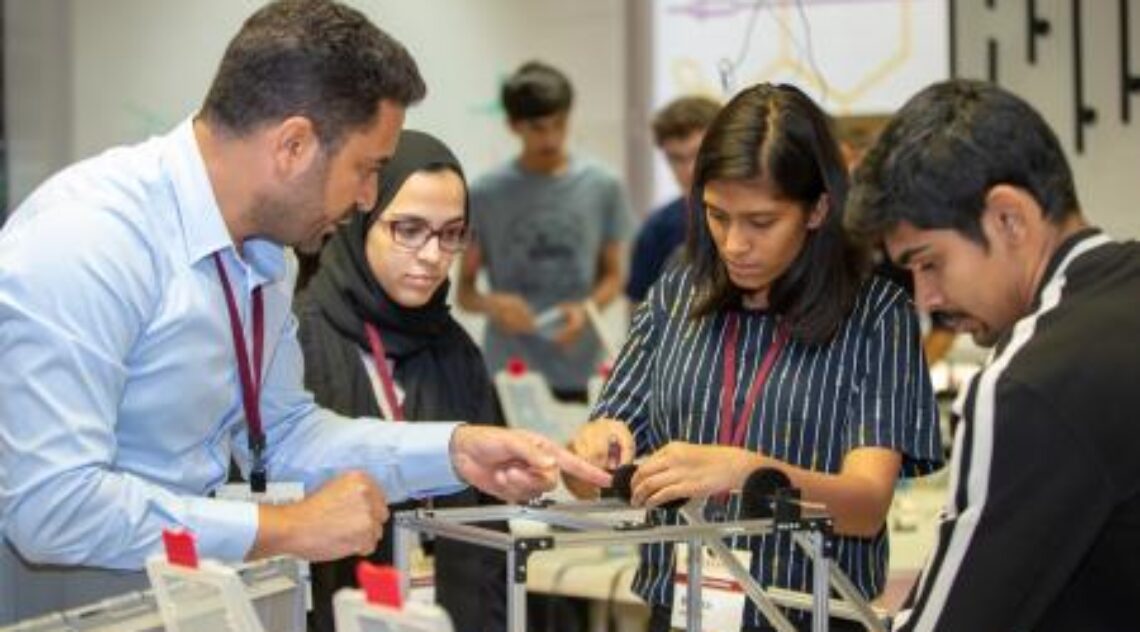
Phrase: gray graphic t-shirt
(541,238)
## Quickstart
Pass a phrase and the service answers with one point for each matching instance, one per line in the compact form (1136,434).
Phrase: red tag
(180,547)
(605,369)
(381,584)
(516,366)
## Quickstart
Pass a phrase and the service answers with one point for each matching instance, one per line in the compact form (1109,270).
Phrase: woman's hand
(605,443)
(687,470)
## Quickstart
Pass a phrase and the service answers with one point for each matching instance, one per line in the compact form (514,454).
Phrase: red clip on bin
(378,605)
(381,584)
(181,549)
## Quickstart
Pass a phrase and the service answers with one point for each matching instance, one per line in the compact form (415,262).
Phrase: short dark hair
(939,156)
(775,134)
(683,116)
(314,58)
(536,90)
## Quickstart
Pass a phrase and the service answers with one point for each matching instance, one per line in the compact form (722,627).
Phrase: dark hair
(775,134)
(536,90)
(314,58)
(683,116)
(940,155)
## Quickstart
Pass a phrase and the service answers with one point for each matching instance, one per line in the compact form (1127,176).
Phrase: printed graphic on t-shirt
(547,254)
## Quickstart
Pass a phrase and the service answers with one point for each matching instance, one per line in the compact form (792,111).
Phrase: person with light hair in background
(678,129)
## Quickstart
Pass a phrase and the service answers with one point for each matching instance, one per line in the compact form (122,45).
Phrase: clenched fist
(343,517)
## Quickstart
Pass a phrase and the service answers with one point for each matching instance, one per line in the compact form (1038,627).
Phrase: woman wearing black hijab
(381,294)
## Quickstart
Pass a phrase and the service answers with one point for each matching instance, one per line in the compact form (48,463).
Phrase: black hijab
(436,363)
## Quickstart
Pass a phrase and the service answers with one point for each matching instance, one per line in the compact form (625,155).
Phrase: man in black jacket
(970,190)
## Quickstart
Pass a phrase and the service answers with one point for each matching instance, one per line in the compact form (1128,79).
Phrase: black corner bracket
(1036,27)
(1129,82)
(1084,115)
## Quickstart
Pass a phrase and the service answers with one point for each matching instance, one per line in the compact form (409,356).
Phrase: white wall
(127,69)
(37,87)
(84,75)
(862,57)
(1107,171)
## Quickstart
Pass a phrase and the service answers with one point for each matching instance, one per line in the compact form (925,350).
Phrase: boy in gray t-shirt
(550,228)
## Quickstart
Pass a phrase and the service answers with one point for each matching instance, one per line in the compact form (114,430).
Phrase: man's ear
(818,213)
(1011,214)
(295,146)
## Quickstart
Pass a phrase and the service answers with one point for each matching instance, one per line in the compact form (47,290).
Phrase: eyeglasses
(414,234)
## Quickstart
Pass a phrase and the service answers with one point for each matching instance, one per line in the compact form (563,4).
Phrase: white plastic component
(354,614)
(550,322)
(528,403)
(209,598)
(594,388)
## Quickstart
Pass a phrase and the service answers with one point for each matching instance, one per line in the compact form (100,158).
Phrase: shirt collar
(204,231)
(1059,256)
(266,259)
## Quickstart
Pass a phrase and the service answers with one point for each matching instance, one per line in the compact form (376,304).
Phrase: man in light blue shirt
(121,277)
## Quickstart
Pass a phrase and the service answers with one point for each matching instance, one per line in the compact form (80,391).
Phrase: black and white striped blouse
(867,387)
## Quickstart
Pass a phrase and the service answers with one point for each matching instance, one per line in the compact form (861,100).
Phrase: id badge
(722,597)
(275,493)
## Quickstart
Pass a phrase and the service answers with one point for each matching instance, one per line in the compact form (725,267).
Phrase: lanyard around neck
(249,374)
(732,431)
(380,361)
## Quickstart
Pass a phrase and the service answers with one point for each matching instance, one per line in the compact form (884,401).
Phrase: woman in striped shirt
(770,346)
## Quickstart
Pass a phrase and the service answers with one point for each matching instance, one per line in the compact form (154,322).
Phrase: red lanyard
(380,360)
(732,431)
(249,374)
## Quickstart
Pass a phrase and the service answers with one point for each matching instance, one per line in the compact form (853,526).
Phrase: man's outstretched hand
(516,465)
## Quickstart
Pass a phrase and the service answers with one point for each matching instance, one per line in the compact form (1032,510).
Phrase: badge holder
(379,607)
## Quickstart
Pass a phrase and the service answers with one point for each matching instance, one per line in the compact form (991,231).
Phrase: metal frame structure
(604,522)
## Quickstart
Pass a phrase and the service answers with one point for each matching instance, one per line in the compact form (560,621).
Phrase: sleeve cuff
(225,529)
(425,468)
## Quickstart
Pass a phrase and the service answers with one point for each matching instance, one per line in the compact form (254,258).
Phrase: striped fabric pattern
(867,387)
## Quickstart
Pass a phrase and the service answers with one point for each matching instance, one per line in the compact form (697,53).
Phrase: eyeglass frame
(436,233)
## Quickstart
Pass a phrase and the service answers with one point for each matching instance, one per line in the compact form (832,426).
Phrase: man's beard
(291,217)
(983,336)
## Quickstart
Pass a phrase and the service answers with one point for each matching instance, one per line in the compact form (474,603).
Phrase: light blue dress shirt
(119,398)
